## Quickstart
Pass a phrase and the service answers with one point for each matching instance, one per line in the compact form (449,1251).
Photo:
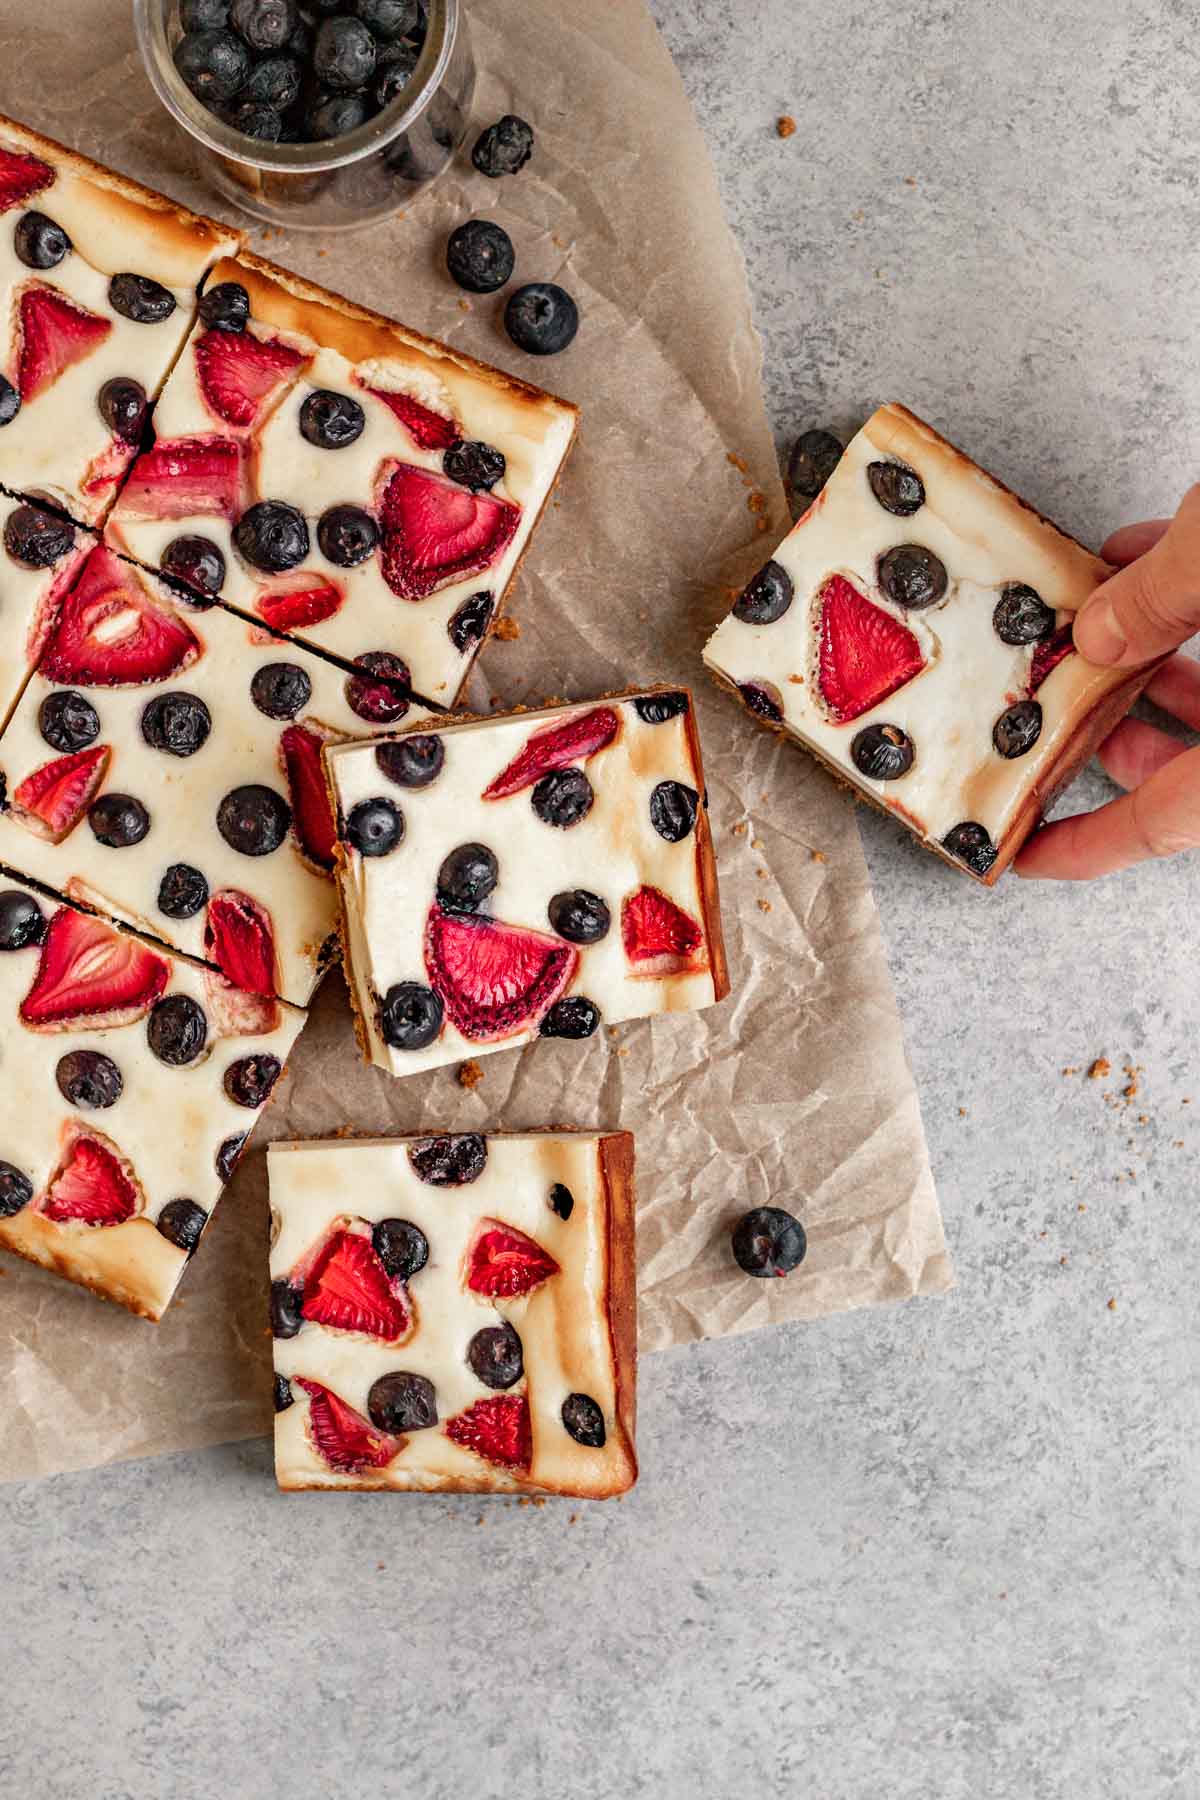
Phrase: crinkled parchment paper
(795,1090)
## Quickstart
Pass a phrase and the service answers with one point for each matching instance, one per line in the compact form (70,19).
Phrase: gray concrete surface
(929,1553)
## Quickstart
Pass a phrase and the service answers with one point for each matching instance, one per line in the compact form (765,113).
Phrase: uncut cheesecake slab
(98,280)
(913,631)
(455,1313)
(361,488)
(164,765)
(132,1079)
(533,874)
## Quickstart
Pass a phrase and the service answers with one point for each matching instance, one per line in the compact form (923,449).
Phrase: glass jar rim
(150,26)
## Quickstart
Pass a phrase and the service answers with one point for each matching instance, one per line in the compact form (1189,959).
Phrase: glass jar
(347,181)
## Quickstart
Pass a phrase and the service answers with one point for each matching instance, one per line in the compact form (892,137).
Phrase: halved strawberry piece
(184,478)
(54,334)
(497,1429)
(50,604)
(343,1438)
(502,1261)
(111,633)
(436,532)
(494,980)
(21,177)
(659,937)
(239,939)
(300,600)
(431,430)
(865,654)
(53,798)
(555,747)
(238,373)
(106,469)
(348,1289)
(1049,653)
(91,975)
(235,1012)
(312,815)
(93,1186)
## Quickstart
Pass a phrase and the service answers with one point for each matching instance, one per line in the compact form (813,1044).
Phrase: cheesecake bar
(40,556)
(330,472)
(98,280)
(913,631)
(455,1312)
(164,764)
(533,873)
(132,1079)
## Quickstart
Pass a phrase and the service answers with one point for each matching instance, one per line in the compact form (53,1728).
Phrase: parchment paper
(795,1090)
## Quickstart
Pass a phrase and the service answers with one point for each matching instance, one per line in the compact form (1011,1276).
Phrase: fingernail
(1098,634)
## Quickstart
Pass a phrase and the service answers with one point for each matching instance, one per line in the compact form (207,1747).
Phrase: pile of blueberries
(298,71)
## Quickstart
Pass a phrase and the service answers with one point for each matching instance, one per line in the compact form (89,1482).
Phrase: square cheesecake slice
(132,1079)
(529,874)
(98,280)
(164,765)
(360,487)
(913,631)
(455,1313)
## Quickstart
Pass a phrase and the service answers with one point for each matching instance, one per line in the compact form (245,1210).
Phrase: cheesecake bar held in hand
(132,1079)
(914,632)
(537,873)
(455,1312)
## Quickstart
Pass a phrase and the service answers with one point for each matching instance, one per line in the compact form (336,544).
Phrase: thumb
(1152,605)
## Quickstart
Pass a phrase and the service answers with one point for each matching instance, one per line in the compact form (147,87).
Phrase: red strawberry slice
(303,600)
(1049,653)
(865,654)
(312,815)
(234,1012)
(343,1438)
(436,532)
(21,177)
(239,939)
(184,478)
(555,747)
(94,1186)
(55,334)
(348,1289)
(91,975)
(238,373)
(52,799)
(494,980)
(499,1430)
(110,633)
(49,606)
(659,937)
(432,430)
(106,469)
(503,1261)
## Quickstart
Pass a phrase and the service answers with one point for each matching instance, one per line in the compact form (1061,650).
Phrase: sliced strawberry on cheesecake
(435,532)
(93,1185)
(53,798)
(503,1262)
(865,654)
(659,937)
(239,374)
(184,478)
(54,333)
(555,747)
(21,177)
(348,1289)
(112,633)
(343,1438)
(498,1430)
(91,974)
(494,980)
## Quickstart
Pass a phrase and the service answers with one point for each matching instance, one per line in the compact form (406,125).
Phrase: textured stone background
(937,1553)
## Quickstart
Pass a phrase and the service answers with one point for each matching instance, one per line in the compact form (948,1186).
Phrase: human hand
(1151,606)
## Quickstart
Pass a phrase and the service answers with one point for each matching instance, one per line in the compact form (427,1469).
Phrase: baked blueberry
(766,598)
(331,420)
(22,921)
(449,1161)
(214,65)
(769,1241)
(898,489)
(762,699)
(411,762)
(343,55)
(195,561)
(248,1082)
(882,752)
(137,297)
(474,465)
(347,535)
(541,318)
(228,1154)
(256,120)
(281,689)
(118,820)
(401,1401)
(380,700)
(375,827)
(40,243)
(394,66)
(68,721)
(177,1030)
(972,844)
(563,798)
(673,809)
(178,724)
(562,1200)
(387,18)
(1022,616)
(264,25)
(16,1190)
(253,819)
(579,916)
(1018,728)
(466,878)
(815,455)
(286,1314)
(480,256)
(271,535)
(284,1396)
(182,892)
(225,307)
(656,709)
(912,577)
(181,1222)
(88,1079)
(503,148)
(36,538)
(10,401)
(276,81)
(410,1016)
(574,1017)
(204,15)
(470,621)
(583,1420)
(333,115)
(401,1247)
(496,1357)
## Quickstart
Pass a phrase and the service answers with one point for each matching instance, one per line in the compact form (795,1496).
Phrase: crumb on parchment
(469,1074)
(764,906)
(785,126)
(1099,1069)
(506,629)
